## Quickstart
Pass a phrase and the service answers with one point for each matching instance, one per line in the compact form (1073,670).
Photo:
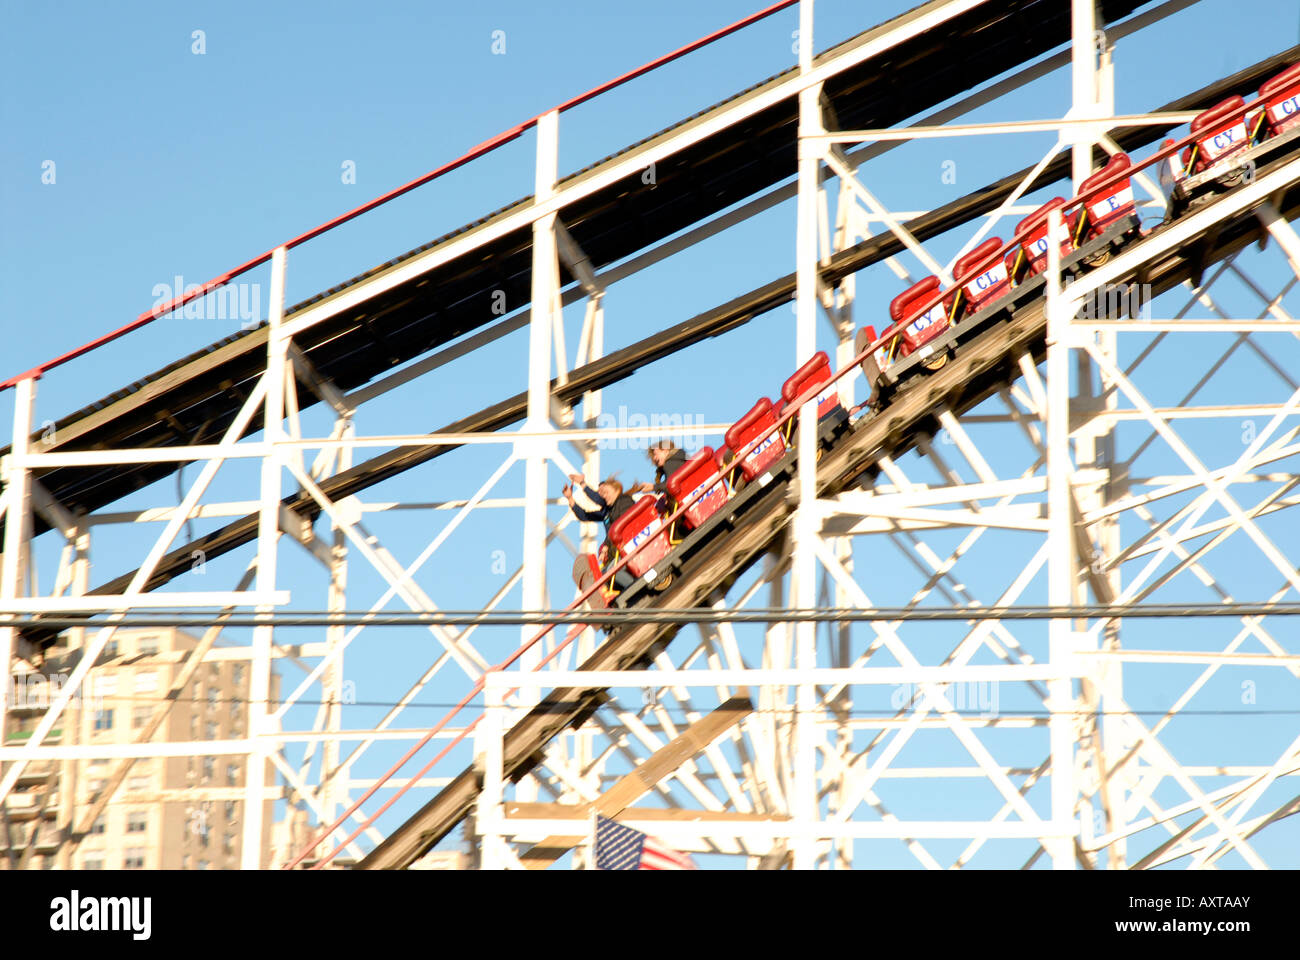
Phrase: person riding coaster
(668,458)
(610,503)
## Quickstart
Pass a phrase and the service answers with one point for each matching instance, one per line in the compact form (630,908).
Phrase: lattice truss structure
(1096,474)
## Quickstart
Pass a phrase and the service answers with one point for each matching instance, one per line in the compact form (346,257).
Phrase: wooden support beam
(640,781)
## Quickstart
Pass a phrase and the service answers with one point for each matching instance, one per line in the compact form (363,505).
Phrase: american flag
(622,848)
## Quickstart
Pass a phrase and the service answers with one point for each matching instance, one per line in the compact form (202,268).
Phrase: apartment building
(172,813)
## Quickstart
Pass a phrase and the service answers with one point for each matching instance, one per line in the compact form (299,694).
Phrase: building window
(148,645)
(214,671)
(213,696)
(134,859)
(110,648)
(194,726)
(137,783)
(93,861)
(140,717)
(228,842)
(105,684)
(187,862)
(232,810)
(237,674)
(146,682)
(96,785)
(210,732)
(209,768)
(98,825)
(137,821)
(203,864)
(103,719)
(232,775)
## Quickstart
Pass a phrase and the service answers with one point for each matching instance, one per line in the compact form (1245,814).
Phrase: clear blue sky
(167,162)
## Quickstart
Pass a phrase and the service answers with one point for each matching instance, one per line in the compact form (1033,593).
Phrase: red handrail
(487,146)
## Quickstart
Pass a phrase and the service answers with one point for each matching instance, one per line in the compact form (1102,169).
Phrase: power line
(616,616)
(864,712)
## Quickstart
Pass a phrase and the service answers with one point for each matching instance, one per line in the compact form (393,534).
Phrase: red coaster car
(759,421)
(1281,100)
(815,373)
(992,281)
(1104,205)
(916,324)
(700,473)
(1218,140)
(642,524)
(1032,259)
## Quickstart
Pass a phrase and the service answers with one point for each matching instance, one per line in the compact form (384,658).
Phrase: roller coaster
(947,344)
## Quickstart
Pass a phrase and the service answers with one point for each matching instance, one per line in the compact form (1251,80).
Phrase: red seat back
(1103,204)
(993,279)
(760,419)
(815,373)
(1034,246)
(919,326)
(700,472)
(1218,139)
(1281,99)
(640,523)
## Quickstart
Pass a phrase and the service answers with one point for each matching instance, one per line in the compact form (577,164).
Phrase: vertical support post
(1083,73)
(73,719)
(545,314)
(18,521)
(1094,92)
(1116,735)
(1060,529)
(848,231)
(334,792)
(268,529)
(489,758)
(592,401)
(803,578)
